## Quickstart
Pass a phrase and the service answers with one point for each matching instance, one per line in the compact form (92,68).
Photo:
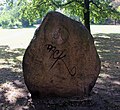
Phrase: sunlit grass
(20,38)
(105,29)
(16,38)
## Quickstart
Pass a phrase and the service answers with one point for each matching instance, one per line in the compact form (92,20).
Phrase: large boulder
(61,59)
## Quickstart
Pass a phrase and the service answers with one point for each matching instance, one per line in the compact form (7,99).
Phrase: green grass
(20,38)
(16,38)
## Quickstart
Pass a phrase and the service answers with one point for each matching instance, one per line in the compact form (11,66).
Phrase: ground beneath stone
(105,95)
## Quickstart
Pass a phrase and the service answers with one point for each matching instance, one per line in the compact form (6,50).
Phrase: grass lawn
(20,38)
(16,38)
(14,94)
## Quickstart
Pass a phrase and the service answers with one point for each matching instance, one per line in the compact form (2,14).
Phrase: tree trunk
(87,14)
(115,21)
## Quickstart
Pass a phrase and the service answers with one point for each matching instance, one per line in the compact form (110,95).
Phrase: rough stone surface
(61,59)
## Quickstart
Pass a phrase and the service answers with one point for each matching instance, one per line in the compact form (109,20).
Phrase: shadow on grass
(108,83)
(13,93)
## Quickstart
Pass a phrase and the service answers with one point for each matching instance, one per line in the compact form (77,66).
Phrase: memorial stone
(61,59)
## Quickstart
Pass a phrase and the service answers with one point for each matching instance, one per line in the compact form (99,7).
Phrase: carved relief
(60,35)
